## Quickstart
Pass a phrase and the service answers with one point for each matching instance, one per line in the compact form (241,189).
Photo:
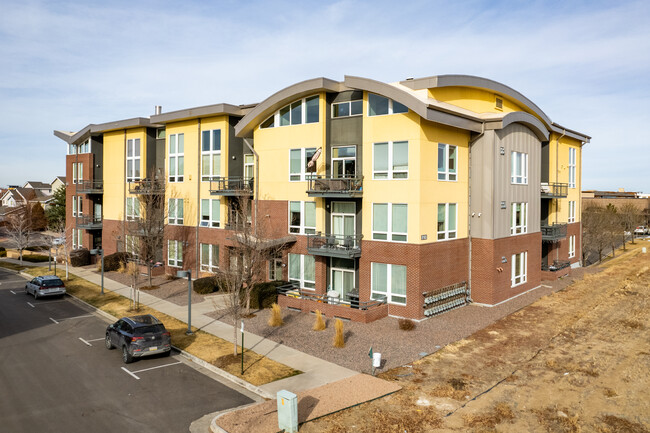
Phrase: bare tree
(596,231)
(631,217)
(19,228)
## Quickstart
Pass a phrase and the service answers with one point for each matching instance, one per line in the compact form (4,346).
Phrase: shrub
(319,323)
(35,258)
(38,248)
(406,324)
(112,261)
(205,285)
(276,316)
(339,339)
(3,249)
(80,257)
(264,295)
(3,253)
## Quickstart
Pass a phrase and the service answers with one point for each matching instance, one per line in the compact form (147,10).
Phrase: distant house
(45,188)
(58,182)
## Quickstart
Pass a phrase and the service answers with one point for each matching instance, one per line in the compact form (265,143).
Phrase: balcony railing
(293,290)
(232,186)
(327,186)
(90,187)
(147,186)
(554,190)
(89,222)
(554,233)
(330,245)
(556,266)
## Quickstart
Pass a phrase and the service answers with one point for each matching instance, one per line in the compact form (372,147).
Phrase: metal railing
(331,245)
(554,190)
(90,186)
(554,233)
(146,186)
(329,186)
(293,290)
(235,185)
(89,222)
(556,266)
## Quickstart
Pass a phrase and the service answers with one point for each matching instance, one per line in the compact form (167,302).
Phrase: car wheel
(107,342)
(168,353)
(126,356)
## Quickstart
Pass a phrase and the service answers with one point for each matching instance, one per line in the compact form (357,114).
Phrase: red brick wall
(71,191)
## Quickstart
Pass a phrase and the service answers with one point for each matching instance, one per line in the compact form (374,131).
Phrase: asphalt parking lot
(57,376)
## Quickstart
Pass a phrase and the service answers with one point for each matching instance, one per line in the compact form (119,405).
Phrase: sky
(65,65)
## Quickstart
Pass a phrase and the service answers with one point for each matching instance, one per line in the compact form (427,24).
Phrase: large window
(519,268)
(447,221)
(76,239)
(77,206)
(210,154)
(298,164)
(447,161)
(132,208)
(176,157)
(132,159)
(519,218)
(302,217)
(77,172)
(175,211)
(572,167)
(299,112)
(131,245)
(346,109)
(379,105)
(390,160)
(572,211)
(389,222)
(249,166)
(175,253)
(85,146)
(209,257)
(572,246)
(210,213)
(302,269)
(389,281)
(519,168)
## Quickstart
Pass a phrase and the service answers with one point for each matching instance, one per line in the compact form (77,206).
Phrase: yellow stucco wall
(476,100)
(559,172)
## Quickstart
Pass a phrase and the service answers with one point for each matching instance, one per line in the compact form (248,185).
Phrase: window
(389,222)
(77,206)
(249,166)
(299,112)
(572,211)
(175,211)
(346,109)
(298,161)
(176,158)
(519,171)
(389,281)
(572,246)
(77,239)
(379,105)
(175,253)
(209,257)
(210,154)
(302,269)
(447,217)
(85,146)
(275,268)
(572,167)
(72,149)
(519,218)
(132,159)
(77,172)
(519,268)
(131,245)
(390,160)
(447,157)
(132,208)
(210,212)
(302,217)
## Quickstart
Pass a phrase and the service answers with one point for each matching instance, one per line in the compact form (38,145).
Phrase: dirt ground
(574,361)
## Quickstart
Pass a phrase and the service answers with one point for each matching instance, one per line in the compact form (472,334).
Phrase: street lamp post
(188,274)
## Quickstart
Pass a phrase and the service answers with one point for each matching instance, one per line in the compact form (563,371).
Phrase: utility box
(287,411)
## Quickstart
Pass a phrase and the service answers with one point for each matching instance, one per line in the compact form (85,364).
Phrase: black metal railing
(147,186)
(556,266)
(90,187)
(554,233)
(554,190)
(89,222)
(293,290)
(331,245)
(235,185)
(239,226)
(329,186)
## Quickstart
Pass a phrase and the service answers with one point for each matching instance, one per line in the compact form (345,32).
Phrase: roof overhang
(205,111)
(532,122)
(92,129)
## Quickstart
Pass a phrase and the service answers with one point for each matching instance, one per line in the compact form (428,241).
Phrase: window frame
(277,116)
(522,162)
(390,234)
(389,283)
(135,160)
(302,281)
(210,266)
(519,276)
(349,104)
(172,212)
(446,172)
(177,177)
(136,208)
(211,222)
(572,212)
(304,175)
(210,153)
(129,245)
(302,229)
(514,228)
(446,233)
(572,166)
(390,171)
(77,172)
(178,248)
(572,246)
(391,109)
(77,239)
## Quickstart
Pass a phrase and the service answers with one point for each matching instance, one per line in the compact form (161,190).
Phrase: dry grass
(420,420)
(275,319)
(406,324)
(487,420)
(122,268)
(339,339)
(555,419)
(258,370)
(12,266)
(614,424)
(319,322)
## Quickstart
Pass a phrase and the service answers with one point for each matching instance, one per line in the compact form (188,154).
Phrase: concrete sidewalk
(316,372)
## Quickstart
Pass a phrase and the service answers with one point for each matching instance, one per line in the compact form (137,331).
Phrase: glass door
(344,161)
(342,277)
(343,223)
(97,212)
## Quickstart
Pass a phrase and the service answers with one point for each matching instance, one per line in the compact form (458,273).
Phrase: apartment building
(403,199)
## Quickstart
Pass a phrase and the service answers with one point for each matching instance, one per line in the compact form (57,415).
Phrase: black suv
(138,336)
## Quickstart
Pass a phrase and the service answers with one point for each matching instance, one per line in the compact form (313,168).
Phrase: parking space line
(85,342)
(70,318)
(88,341)
(130,373)
(31,305)
(52,319)
(160,366)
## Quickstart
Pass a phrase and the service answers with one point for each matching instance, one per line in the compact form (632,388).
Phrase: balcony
(147,186)
(327,186)
(90,187)
(554,190)
(232,186)
(89,222)
(553,233)
(557,265)
(329,245)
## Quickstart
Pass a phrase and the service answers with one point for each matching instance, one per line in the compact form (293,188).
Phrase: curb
(213,425)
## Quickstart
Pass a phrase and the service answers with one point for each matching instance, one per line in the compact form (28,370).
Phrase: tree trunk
(20,255)
(234,336)
(149,269)
(613,250)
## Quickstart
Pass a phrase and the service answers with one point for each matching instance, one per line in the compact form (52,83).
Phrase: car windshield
(52,283)
(156,329)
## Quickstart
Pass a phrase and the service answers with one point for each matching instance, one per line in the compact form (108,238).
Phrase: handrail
(332,241)
(237,184)
(146,186)
(554,189)
(331,184)
(556,266)
(293,290)
(90,186)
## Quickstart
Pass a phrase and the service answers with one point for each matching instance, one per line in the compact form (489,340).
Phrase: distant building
(619,198)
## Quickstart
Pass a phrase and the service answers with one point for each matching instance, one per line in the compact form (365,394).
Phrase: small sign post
(370,356)
(242,347)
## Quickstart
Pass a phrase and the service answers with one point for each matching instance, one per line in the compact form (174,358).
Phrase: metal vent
(499,103)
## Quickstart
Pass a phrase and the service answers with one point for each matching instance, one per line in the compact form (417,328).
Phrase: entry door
(343,222)
(344,161)
(342,277)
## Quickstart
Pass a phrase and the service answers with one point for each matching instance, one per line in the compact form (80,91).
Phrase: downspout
(256,180)
(124,197)
(469,208)
(198,194)
(580,201)
(557,173)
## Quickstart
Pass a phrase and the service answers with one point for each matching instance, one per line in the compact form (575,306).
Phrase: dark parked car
(138,336)
(45,285)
